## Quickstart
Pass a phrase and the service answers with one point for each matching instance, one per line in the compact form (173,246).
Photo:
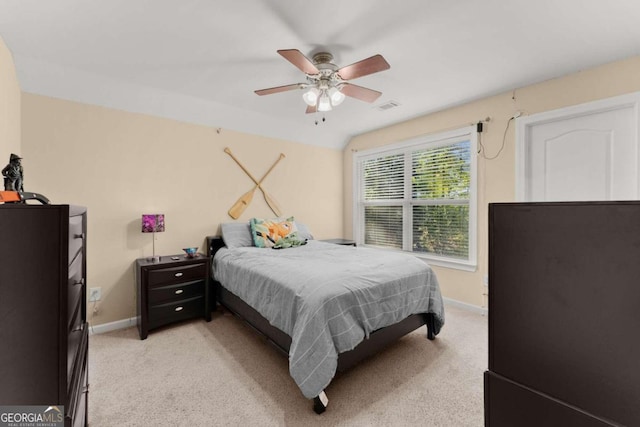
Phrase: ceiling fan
(326,83)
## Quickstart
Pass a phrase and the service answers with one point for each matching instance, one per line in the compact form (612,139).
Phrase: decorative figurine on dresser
(13,174)
(171,289)
(43,328)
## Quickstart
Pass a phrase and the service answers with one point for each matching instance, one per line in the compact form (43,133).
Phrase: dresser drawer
(162,314)
(74,338)
(179,291)
(75,285)
(78,386)
(76,236)
(166,276)
(74,312)
(80,414)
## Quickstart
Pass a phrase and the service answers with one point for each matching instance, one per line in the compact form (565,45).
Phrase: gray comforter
(328,298)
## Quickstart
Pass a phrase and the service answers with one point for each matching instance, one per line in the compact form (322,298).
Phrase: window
(420,196)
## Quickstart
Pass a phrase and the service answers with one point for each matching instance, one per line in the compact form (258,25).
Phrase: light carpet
(223,374)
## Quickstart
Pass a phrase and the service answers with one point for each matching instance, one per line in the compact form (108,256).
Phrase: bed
(325,306)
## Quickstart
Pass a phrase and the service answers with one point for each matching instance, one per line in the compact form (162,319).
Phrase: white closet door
(590,156)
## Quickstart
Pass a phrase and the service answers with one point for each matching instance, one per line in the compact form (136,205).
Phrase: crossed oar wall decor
(239,207)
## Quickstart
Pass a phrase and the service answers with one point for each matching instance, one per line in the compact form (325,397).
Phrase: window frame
(407,147)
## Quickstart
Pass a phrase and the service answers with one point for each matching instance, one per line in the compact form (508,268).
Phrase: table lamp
(153,223)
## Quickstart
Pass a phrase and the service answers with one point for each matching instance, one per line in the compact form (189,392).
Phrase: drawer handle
(80,282)
(179,291)
(79,236)
(179,274)
(179,308)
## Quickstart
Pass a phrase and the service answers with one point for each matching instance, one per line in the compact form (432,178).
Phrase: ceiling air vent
(388,105)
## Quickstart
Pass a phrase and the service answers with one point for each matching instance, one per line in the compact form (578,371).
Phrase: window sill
(464,266)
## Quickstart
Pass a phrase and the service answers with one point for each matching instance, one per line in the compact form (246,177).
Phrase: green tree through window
(419,198)
(440,177)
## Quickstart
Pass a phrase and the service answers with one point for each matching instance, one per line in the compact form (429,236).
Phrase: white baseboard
(112,326)
(463,305)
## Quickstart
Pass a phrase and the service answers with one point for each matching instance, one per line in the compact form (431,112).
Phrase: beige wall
(121,165)
(9,107)
(496,178)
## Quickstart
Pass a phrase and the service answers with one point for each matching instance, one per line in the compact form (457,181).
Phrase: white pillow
(303,231)
(236,234)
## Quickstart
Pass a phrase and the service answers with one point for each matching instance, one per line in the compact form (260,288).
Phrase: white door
(582,153)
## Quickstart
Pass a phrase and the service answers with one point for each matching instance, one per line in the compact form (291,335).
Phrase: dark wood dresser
(174,289)
(564,315)
(43,328)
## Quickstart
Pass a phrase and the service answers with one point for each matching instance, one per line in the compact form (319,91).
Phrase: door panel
(588,157)
(577,166)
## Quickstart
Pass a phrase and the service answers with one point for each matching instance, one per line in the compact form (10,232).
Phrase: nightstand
(344,242)
(171,290)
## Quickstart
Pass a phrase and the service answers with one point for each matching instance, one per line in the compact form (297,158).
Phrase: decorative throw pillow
(266,232)
(291,241)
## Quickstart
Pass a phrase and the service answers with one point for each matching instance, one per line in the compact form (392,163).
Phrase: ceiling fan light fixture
(336,96)
(311,96)
(325,81)
(324,103)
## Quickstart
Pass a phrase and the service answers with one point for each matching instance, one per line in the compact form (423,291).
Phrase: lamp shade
(152,223)
(336,96)
(311,97)
(324,104)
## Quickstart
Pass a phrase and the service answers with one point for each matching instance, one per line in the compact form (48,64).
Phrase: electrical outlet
(95,294)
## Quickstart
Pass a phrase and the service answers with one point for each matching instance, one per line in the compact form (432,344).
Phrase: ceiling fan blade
(363,68)
(311,109)
(359,92)
(299,60)
(278,89)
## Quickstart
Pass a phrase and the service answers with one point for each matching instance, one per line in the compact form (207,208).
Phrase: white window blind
(384,178)
(419,196)
(383,183)
(383,226)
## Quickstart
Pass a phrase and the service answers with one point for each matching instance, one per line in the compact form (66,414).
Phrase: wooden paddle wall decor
(241,204)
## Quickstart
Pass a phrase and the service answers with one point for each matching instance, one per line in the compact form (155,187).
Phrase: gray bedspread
(328,298)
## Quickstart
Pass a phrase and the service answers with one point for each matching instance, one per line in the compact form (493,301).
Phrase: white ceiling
(200,61)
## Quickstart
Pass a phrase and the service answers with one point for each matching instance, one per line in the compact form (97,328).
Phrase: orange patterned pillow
(266,232)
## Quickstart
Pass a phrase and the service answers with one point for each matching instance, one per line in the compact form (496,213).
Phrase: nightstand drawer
(171,312)
(166,276)
(176,292)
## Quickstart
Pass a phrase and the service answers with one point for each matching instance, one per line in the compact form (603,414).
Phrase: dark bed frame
(377,340)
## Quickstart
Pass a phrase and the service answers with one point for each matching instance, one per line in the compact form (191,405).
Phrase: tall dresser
(43,328)
(564,315)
